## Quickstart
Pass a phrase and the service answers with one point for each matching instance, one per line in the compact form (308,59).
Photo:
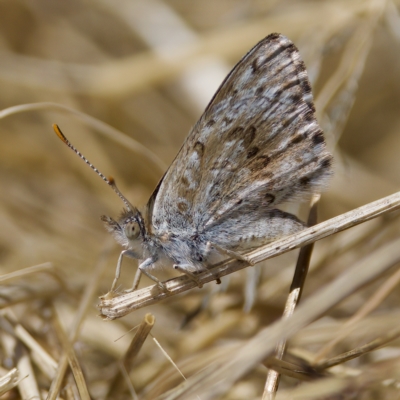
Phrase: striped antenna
(110,181)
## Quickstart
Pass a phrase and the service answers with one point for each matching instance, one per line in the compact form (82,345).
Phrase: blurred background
(126,80)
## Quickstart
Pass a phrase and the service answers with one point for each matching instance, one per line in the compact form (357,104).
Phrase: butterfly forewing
(256,145)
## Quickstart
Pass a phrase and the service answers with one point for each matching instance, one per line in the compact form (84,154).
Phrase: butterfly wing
(256,145)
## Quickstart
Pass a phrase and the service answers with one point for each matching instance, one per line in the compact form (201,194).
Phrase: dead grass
(147,68)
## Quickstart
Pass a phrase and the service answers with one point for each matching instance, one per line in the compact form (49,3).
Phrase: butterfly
(257,145)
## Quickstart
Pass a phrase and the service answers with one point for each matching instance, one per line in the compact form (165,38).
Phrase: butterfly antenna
(110,181)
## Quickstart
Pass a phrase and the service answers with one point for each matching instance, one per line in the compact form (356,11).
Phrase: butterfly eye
(132,230)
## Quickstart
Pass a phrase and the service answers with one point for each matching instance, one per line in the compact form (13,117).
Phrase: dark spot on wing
(280,48)
(227,121)
(260,90)
(185,181)
(210,123)
(199,148)
(292,83)
(297,139)
(273,36)
(249,135)
(326,163)
(305,84)
(252,152)
(270,198)
(291,48)
(304,181)
(296,97)
(309,116)
(255,65)
(318,138)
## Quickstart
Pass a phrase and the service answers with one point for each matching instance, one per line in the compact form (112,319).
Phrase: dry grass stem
(103,128)
(72,359)
(28,387)
(29,270)
(9,381)
(167,356)
(40,356)
(359,351)
(140,336)
(126,362)
(299,278)
(290,369)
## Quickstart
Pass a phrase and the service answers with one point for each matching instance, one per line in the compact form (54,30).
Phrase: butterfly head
(129,230)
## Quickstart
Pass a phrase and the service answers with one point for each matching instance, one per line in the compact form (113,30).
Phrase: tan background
(148,69)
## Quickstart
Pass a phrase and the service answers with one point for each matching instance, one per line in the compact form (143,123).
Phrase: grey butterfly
(256,146)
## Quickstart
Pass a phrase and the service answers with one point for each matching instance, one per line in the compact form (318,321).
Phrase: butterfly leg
(230,253)
(191,275)
(126,253)
(136,281)
(142,268)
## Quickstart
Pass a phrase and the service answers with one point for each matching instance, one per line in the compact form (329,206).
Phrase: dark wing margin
(256,145)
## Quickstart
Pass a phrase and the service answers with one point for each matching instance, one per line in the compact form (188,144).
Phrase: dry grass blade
(8,381)
(30,270)
(124,304)
(299,278)
(140,336)
(373,376)
(72,359)
(28,387)
(359,351)
(117,384)
(103,128)
(291,370)
(40,356)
